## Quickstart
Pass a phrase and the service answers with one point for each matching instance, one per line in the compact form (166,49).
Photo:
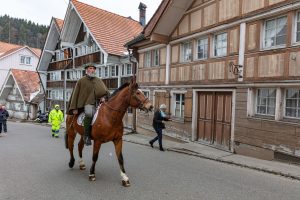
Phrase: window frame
(267,105)
(155,57)
(263,41)
(297,102)
(197,48)
(184,52)
(147,59)
(214,44)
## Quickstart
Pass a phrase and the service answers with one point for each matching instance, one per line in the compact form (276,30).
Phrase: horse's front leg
(118,148)
(80,148)
(96,148)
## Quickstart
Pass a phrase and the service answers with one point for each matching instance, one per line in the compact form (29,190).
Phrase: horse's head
(138,99)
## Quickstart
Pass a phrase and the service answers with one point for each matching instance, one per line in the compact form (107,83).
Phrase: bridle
(131,95)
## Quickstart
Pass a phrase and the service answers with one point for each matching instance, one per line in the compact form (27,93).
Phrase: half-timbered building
(228,71)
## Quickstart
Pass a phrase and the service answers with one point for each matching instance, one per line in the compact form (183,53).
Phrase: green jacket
(87,91)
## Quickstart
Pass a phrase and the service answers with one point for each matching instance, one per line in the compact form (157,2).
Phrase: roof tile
(110,30)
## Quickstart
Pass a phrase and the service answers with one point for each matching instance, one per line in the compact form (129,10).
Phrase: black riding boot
(87,130)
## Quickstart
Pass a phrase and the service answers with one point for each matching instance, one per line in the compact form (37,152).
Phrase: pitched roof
(110,30)
(27,81)
(8,48)
(59,23)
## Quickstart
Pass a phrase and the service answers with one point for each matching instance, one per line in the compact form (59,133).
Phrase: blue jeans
(158,137)
(4,126)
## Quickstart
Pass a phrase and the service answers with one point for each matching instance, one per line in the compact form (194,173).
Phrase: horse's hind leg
(118,148)
(80,148)
(96,148)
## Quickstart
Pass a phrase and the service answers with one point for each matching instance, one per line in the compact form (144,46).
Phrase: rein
(130,97)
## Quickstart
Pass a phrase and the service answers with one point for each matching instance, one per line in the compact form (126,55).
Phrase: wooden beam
(159,38)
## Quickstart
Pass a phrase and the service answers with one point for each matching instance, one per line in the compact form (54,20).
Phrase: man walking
(3,115)
(56,117)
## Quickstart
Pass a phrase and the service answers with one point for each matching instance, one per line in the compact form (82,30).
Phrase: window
(22,60)
(128,69)
(100,72)
(28,60)
(25,60)
(275,32)
(179,105)
(220,45)
(202,48)
(147,62)
(106,71)
(155,54)
(146,93)
(292,103)
(266,100)
(114,70)
(186,52)
(55,76)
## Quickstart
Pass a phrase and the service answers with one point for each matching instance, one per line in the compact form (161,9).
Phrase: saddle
(82,116)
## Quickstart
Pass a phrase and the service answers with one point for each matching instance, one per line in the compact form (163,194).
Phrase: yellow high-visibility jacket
(56,116)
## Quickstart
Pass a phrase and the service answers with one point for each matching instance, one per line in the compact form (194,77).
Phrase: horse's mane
(119,89)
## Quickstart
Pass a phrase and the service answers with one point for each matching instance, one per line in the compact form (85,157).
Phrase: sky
(41,11)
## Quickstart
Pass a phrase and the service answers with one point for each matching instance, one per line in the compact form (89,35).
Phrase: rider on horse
(85,96)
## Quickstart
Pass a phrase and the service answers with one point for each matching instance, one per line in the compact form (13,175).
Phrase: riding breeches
(89,110)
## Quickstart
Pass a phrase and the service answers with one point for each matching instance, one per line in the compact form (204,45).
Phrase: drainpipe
(43,89)
(134,76)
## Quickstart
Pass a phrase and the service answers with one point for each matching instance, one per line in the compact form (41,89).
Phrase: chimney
(142,8)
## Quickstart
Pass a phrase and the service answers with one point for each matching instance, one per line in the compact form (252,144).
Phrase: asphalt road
(34,166)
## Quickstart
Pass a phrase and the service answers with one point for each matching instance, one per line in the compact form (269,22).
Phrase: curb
(191,153)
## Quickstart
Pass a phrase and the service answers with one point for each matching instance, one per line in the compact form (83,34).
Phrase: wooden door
(214,118)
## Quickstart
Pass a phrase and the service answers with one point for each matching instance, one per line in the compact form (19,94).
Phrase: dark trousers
(1,126)
(158,137)
(4,126)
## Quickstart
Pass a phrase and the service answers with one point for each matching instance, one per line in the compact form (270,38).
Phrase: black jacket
(158,120)
(3,115)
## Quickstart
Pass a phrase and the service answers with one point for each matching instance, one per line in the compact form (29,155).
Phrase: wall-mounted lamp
(236,69)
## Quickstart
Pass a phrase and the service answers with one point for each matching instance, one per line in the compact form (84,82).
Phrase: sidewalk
(207,152)
(203,151)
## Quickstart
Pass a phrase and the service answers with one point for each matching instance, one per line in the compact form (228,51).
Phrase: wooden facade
(242,94)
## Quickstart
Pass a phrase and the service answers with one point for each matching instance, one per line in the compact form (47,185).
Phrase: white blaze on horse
(108,126)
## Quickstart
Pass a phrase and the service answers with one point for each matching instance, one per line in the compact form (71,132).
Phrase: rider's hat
(56,106)
(89,65)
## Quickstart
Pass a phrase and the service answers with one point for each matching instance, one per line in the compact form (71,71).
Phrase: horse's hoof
(71,163)
(82,167)
(125,183)
(92,177)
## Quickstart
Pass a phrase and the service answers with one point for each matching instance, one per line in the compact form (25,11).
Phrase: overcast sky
(41,11)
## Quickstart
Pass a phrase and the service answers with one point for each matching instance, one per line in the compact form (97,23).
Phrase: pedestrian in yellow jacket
(56,117)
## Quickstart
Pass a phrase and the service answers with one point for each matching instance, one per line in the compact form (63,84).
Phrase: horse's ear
(133,80)
(133,83)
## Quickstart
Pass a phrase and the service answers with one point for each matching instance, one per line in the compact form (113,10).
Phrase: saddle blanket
(82,115)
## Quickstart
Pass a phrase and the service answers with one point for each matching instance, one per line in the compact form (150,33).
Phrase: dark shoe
(56,136)
(151,144)
(87,141)
(161,149)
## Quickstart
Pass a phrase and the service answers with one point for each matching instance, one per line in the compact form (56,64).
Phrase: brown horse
(108,126)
